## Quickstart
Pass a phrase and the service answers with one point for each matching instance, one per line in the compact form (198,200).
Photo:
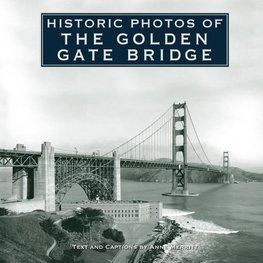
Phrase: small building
(156,209)
(124,211)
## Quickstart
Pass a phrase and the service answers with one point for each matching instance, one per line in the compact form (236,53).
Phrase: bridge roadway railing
(15,158)
(125,163)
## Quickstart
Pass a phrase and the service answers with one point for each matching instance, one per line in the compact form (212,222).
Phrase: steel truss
(93,173)
(90,172)
(13,158)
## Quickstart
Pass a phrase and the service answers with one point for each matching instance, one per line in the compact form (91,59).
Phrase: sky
(99,108)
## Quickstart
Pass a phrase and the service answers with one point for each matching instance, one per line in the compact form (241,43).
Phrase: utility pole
(76,150)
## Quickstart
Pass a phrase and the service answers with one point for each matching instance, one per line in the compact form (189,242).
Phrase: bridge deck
(15,158)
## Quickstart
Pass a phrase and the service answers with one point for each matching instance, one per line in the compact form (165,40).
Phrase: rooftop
(114,202)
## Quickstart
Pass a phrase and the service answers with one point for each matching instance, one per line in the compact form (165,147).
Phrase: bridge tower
(179,175)
(179,147)
(116,176)
(226,167)
(45,177)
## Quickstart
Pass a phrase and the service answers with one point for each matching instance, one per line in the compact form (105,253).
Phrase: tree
(82,222)
(90,212)
(74,224)
(89,216)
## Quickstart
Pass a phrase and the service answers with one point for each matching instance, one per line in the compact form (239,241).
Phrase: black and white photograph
(131,131)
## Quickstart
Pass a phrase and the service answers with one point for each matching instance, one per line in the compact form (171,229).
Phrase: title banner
(150,40)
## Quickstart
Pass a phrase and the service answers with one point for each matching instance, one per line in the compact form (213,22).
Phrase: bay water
(226,221)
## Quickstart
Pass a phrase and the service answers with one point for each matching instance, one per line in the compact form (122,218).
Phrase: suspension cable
(198,136)
(195,151)
(150,136)
(150,126)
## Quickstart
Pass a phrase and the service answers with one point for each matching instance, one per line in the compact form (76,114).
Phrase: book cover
(131,131)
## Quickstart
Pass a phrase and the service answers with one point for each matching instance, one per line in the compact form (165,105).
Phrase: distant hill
(241,175)
(161,175)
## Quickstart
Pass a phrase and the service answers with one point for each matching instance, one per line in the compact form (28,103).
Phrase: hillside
(22,239)
(25,238)
(160,175)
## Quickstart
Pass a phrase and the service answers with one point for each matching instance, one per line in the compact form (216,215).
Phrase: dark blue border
(140,65)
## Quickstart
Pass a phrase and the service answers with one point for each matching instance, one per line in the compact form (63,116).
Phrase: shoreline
(169,233)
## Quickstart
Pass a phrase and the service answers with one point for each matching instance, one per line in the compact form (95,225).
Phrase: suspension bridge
(47,176)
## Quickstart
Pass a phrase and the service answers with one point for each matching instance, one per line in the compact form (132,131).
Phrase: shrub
(49,227)
(74,224)
(3,211)
(113,234)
